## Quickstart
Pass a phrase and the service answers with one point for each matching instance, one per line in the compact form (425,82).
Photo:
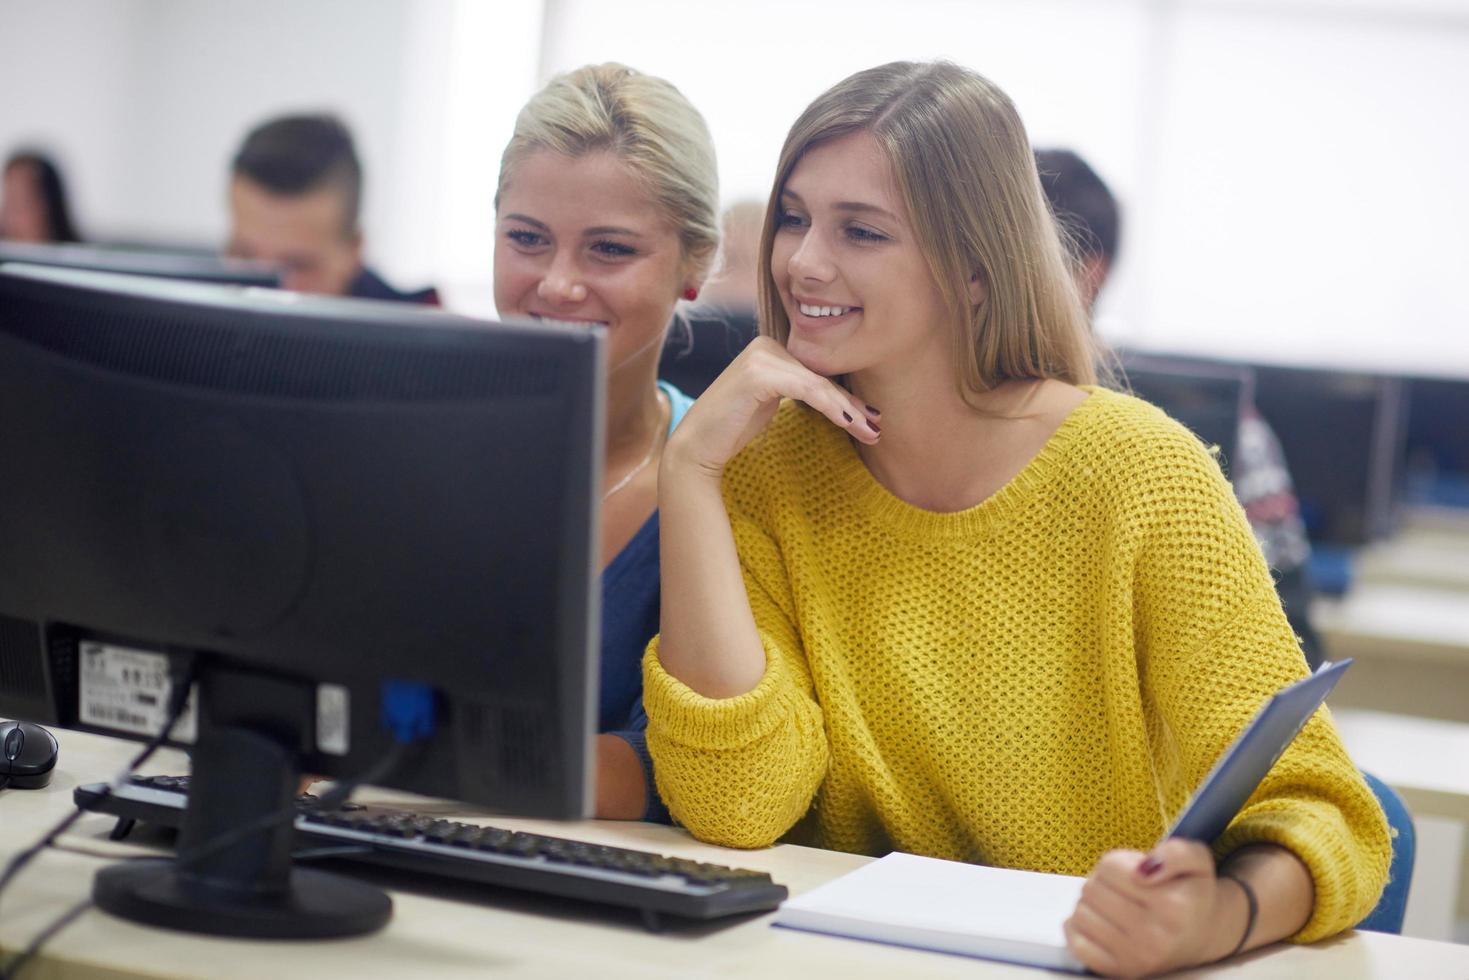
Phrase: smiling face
(847,265)
(579,239)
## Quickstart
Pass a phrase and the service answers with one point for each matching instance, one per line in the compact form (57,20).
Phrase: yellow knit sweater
(1028,683)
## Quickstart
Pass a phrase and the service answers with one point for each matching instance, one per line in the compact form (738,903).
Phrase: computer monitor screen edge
(142,262)
(495,431)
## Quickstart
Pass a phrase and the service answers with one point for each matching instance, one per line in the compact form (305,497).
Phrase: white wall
(210,71)
(1290,169)
(146,101)
(70,96)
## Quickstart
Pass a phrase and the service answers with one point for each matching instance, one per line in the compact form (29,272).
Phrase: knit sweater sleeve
(1213,644)
(742,771)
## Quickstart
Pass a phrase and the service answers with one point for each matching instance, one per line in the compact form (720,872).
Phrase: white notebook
(994,913)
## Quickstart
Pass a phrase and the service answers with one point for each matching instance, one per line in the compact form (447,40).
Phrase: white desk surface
(1396,619)
(1424,759)
(441,930)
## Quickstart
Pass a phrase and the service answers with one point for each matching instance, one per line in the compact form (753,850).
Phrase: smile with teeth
(568,319)
(810,310)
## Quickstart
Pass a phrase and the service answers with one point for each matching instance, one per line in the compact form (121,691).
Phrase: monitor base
(315,904)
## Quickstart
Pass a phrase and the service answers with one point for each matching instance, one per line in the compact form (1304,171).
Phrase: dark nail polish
(1150,866)
(846,416)
(874,426)
(872,411)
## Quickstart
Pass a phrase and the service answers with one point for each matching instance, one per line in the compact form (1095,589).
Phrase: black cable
(323,853)
(178,697)
(330,800)
(183,682)
(13,968)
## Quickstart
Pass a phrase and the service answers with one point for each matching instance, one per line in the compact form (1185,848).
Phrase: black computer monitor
(699,349)
(1343,434)
(1437,453)
(331,510)
(1209,397)
(189,266)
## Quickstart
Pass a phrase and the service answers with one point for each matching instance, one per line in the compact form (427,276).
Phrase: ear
(1094,271)
(979,288)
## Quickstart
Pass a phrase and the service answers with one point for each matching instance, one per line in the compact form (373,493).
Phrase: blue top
(630,596)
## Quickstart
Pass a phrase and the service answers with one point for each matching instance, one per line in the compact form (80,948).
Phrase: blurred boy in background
(295,201)
(1091,222)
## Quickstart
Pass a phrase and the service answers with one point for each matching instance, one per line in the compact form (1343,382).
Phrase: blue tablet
(1242,766)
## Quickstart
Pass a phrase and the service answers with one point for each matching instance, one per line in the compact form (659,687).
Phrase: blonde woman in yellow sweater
(927,588)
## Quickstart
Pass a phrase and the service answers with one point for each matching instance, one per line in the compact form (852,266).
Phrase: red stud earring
(691,294)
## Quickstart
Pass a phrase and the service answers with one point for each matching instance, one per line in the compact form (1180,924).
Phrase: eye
(609,249)
(525,238)
(790,219)
(861,235)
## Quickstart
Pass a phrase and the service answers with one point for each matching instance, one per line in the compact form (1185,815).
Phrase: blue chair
(1388,915)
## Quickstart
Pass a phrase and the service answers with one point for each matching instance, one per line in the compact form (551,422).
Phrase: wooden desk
(1427,761)
(1430,548)
(1411,643)
(459,931)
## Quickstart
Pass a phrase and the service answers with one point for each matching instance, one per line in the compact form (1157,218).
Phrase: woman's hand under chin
(743,400)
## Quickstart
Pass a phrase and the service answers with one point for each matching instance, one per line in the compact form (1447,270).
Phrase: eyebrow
(612,230)
(858,207)
(590,232)
(527,219)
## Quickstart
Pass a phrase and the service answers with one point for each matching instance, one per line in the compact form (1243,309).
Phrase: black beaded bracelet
(1254,910)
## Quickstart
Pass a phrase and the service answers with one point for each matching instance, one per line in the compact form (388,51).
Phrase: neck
(936,447)
(634,416)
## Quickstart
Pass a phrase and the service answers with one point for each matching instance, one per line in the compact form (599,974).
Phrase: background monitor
(1207,396)
(320,504)
(188,266)
(1343,434)
(1438,441)
(699,349)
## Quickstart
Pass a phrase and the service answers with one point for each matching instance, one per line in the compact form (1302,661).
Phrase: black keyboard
(653,884)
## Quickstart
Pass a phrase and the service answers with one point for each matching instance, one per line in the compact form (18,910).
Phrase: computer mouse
(27,755)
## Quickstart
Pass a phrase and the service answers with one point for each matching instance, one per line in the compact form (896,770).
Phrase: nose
(811,261)
(561,284)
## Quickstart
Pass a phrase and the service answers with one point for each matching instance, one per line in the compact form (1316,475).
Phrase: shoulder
(1142,457)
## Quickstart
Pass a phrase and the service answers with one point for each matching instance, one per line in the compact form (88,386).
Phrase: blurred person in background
(724,322)
(735,287)
(33,203)
(1091,224)
(295,201)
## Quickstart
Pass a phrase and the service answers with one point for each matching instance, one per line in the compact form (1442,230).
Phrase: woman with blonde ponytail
(607,214)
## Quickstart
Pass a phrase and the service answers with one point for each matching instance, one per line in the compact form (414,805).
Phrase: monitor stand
(241,883)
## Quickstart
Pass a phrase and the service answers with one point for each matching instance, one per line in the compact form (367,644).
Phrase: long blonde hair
(649,125)
(964,167)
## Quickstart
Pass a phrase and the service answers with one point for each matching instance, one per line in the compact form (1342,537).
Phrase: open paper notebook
(908,900)
(1000,914)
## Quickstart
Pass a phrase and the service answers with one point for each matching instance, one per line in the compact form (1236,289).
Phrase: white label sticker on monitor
(333,719)
(128,690)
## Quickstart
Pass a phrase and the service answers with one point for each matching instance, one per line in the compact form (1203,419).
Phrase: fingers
(790,378)
(1175,858)
(1092,954)
(1134,873)
(1118,907)
(841,407)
